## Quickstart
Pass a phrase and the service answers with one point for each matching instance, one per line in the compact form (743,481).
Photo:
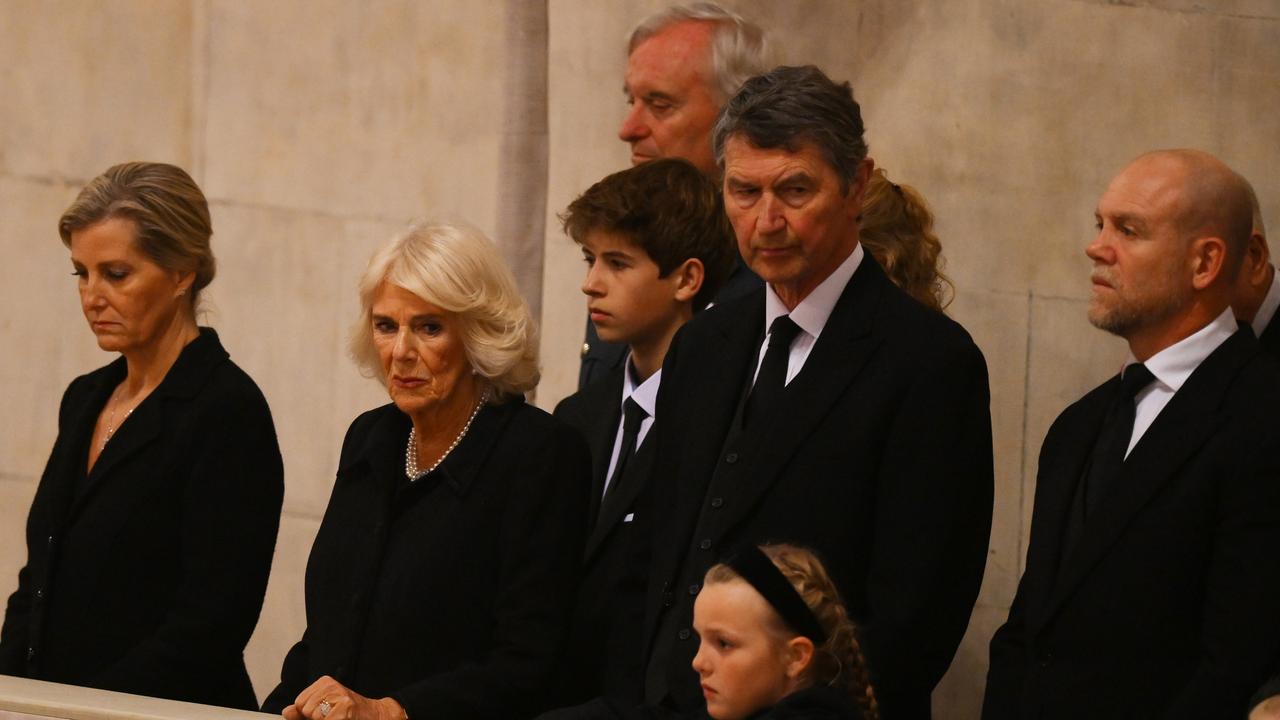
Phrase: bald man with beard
(1151,586)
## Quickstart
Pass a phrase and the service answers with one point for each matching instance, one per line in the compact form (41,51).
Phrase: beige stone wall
(317,127)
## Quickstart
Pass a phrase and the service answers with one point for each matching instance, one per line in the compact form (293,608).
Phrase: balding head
(1215,200)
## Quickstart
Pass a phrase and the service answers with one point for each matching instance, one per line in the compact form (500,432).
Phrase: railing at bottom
(22,699)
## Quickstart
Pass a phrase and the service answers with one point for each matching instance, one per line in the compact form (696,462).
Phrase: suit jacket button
(731,458)
(39,593)
(31,653)
(50,542)
(668,599)
(694,588)
(717,502)
(683,634)
(705,544)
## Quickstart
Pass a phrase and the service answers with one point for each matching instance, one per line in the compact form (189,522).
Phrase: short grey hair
(790,106)
(739,48)
(455,267)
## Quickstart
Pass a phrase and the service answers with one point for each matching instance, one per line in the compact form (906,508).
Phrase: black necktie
(632,416)
(772,377)
(1113,440)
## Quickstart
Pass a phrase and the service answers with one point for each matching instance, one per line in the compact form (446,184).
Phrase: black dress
(146,575)
(449,594)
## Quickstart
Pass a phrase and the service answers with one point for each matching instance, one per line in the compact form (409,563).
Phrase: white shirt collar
(813,311)
(646,393)
(1174,364)
(1267,309)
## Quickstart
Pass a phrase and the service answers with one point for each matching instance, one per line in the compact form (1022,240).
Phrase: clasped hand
(341,703)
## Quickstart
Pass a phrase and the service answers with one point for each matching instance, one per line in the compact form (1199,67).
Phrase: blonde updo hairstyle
(169,213)
(456,268)
(838,662)
(897,229)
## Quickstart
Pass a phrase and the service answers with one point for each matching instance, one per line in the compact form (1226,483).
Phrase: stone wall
(318,128)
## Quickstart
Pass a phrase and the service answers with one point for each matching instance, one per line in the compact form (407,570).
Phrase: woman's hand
(327,699)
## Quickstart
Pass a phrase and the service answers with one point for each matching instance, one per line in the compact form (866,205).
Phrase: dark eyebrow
(799,177)
(736,184)
(616,254)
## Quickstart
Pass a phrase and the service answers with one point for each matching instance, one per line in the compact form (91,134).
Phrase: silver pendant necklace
(411,452)
(111,426)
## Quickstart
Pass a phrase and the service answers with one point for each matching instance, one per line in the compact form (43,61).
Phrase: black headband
(759,571)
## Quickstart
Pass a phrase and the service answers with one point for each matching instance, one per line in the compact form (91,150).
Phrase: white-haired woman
(439,580)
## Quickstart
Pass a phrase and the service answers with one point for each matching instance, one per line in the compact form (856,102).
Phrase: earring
(182,292)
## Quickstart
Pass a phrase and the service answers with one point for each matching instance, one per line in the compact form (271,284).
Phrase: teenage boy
(657,245)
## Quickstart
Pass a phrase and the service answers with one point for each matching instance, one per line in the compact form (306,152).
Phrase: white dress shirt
(1267,309)
(1172,366)
(811,314)
(646,396)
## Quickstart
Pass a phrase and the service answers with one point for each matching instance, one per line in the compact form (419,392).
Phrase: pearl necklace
(411,452)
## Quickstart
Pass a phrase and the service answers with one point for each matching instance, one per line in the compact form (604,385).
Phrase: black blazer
(1167,606)
(604,650)
(449,594)
(1270,338)
(1270,341)
(147,576)
(878,456)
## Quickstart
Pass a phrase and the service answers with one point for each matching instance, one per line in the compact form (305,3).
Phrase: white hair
(456,268)
(739,48)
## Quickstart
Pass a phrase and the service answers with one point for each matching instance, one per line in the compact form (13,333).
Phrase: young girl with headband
(776,642)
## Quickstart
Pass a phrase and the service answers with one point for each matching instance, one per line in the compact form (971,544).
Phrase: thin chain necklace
(411,452)
(111,420)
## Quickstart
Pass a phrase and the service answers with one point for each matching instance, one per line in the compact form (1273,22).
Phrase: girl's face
(744,661)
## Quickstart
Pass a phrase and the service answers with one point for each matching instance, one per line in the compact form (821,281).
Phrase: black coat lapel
(76,432)
(1192,416)
(622,498)
(710,377)
(1061,467)
(1270,338)
(601,436)
(184,380)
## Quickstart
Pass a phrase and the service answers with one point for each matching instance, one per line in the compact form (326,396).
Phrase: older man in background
(683,63)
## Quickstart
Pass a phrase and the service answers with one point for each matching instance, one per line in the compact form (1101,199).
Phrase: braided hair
(838,662)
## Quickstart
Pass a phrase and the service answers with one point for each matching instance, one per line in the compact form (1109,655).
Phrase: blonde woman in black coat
(439,582)
(151,533)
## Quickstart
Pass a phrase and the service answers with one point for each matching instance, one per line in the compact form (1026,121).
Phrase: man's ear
(799,656)
(1256,259)
(689,277)
(1208,259)
(858,190)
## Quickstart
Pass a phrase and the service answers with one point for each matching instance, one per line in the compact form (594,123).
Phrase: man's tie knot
(783,331)
(1133,379)
(632,416)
